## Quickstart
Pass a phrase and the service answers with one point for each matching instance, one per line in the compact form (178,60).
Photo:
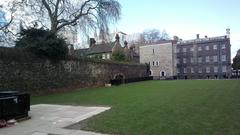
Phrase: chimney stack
(176,38)
(228,32)
(197,36)
(92,42)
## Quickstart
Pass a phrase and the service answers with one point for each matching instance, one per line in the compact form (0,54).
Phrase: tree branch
(79,15)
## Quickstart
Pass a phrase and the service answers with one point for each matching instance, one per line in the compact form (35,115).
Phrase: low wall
(39,76)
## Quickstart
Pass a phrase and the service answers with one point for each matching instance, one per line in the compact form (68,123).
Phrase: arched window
(162,73)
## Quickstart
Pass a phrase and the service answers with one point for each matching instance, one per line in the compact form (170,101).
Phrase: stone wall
(41,76)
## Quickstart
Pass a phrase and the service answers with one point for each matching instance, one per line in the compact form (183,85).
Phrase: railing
(130,80)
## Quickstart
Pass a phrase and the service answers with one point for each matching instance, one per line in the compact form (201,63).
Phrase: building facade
(161,58)
(200,58)
(204,58)
(105,50)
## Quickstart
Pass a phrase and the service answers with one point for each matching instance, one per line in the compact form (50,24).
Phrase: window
(153,51)
(192,70)
(184,49)
(192,60)
(178,61)
(157,63)
(199,59)
(215,47)
(215,69)
(150,72)
(184,60)
(215,58)
(223,57)
(178,50)
(207,69)
(224,68)
(178,71)
(153,63)
(108,56)
(207,47)
(192,49)
(199,48)
(103,56)
(200,70)
(185,70)
(207,59)
(223,46)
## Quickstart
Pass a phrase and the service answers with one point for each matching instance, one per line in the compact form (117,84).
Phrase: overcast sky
(184,18)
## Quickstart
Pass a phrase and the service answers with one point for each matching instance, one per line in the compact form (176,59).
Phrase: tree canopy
(154,35)
(55,15)
(236,62)
(43,43)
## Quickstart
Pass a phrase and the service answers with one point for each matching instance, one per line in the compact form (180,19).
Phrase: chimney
(206,36)
(175,38)
(197,36)
(92,42)
(228,32)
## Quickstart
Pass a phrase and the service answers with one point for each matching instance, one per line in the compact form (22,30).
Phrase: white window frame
(215,58)
(199,48)
(192,70)
(223,46)
(199,70)
(215,69)
(207,48)
(215,47)
(178,50)
(224,58)
(208,69)
(184,60)
(191,49)
(103,56)
(199,59)
(192,61)
(207,59)
(108,56)
(224,69)
(184,49)
(178,61)
(184,70)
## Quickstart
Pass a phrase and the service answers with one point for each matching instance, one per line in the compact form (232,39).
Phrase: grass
(193,107)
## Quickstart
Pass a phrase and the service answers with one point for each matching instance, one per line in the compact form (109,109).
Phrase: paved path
(50,119)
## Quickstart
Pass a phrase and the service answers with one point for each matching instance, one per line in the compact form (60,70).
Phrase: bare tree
(154,35)
(87,14)
(9,9)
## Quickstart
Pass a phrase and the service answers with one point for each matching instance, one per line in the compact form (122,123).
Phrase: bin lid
(8,92)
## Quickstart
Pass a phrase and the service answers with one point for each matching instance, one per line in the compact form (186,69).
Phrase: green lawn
(194,107)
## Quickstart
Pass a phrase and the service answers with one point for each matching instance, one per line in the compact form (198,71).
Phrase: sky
(183,18)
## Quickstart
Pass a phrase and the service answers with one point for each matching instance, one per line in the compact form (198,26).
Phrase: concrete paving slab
(51,119)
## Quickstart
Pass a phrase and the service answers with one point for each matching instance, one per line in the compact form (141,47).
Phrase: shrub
(119,56)
(43,43)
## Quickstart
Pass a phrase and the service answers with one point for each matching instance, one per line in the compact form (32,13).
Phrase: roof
(203,40)
(81,51)
(99,48)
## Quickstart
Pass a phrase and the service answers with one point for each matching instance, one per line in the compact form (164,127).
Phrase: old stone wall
(41,76)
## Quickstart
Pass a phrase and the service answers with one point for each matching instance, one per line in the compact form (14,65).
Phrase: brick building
(200,58)
(204,58)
